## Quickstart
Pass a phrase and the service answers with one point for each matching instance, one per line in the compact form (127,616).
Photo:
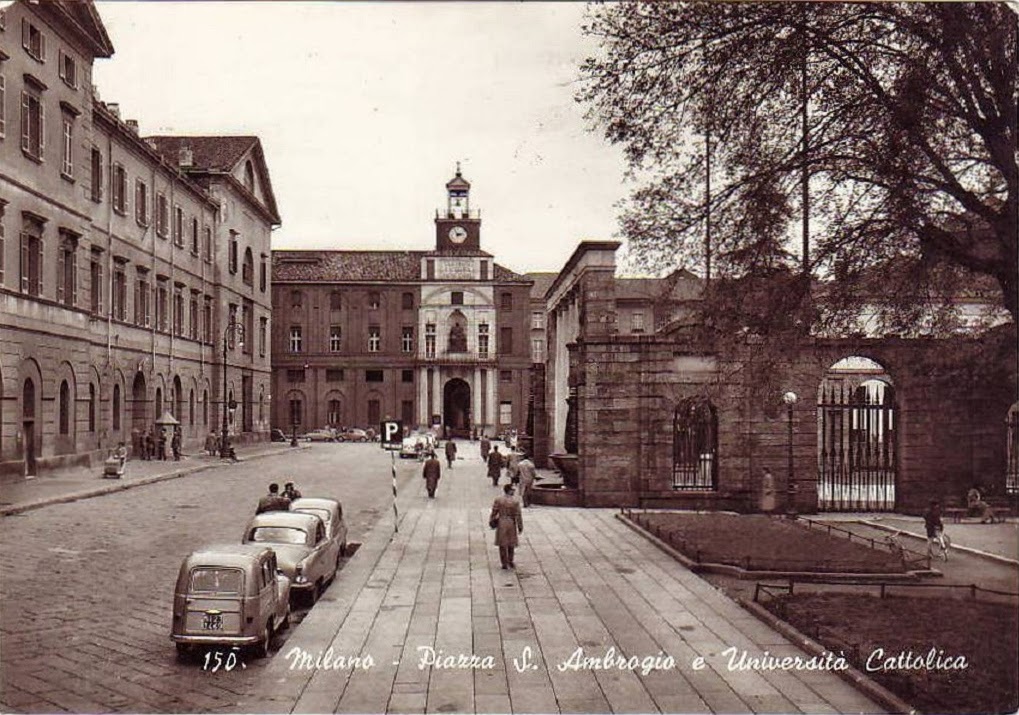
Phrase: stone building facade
(113,257)
(431,338)
(661,420)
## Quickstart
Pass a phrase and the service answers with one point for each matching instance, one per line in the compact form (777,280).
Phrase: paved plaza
(583,580)
(499,641)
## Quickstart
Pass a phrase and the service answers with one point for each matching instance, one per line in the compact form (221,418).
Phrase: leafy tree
(903,115)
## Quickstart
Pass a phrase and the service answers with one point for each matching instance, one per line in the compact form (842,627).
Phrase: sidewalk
(81,482)
(583,581)
(999,541)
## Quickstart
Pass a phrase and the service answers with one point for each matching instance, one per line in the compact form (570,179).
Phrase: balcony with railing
(456,357)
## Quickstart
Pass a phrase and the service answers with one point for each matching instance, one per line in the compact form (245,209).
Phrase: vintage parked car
(304,552)
(230,595)
(352,434)
(330,512)
(410,448)
(319,435)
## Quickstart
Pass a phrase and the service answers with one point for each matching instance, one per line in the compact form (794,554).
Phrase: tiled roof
(542,281)
(366,266)
(214,153)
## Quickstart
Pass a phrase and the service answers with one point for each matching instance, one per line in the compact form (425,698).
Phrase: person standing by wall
(432,471)
(527,473)
(767,492)
(508,521)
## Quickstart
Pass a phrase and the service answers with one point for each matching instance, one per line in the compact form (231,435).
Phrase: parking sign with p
(392,433)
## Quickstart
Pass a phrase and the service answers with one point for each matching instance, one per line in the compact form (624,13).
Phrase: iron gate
(858,454)
(695,445)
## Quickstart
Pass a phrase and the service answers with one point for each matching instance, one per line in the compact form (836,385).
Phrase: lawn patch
(761,543)
(913,645)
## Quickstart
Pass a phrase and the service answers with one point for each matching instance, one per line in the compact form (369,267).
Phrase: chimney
(132,124)
(114,108)
(185,157)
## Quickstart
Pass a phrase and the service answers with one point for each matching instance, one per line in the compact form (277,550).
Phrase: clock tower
(457,228)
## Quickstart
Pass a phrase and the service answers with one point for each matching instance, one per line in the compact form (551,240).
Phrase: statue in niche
(457,339)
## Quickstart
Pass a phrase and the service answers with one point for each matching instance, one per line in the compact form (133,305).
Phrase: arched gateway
(456,408)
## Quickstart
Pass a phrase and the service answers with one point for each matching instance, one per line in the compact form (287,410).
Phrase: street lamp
(233,329)
(790,399)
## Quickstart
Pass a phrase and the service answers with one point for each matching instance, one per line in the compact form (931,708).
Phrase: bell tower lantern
(456,228)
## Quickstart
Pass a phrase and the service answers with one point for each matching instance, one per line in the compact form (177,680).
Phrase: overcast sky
(363,110)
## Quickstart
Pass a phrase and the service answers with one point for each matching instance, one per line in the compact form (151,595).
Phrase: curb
(869,687)
(119,486)
(955,547)
(854,677)
(744,575)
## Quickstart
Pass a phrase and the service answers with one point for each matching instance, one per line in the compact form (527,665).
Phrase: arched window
(695,445)
(65,408)
(116,408)
(28,399)
(159,402)
(91,407)
(205,407)
(178,399)
(249,176)
(191,408)
(334,412)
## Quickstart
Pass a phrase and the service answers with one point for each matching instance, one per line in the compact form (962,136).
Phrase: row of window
(374,302)
(370,375)
(457,339)
(65,406)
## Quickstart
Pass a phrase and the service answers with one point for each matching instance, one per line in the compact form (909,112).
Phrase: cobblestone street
(86,586)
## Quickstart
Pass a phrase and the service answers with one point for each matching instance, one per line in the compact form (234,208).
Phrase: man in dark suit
(432,472)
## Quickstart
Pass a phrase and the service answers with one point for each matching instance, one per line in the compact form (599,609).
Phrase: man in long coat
(485,446)
(495,464)
(450,452)
(508,522)
(432,471)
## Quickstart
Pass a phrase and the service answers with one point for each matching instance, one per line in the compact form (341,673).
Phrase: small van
(231,595)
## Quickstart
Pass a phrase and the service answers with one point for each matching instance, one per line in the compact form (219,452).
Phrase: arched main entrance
(857,426)
(456,408)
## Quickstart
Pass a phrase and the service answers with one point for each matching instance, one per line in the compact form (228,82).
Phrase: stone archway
(140,405)
(456,408)
(857,428)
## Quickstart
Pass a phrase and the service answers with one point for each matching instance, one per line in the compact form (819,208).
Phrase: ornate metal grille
(695,445)
(858,455)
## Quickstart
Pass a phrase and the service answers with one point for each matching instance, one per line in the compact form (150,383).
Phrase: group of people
(153,445)
(276,501)
(506,517)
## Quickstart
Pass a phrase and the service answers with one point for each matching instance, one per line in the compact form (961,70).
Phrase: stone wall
(951,431)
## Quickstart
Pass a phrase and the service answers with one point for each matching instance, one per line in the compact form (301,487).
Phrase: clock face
(458,234)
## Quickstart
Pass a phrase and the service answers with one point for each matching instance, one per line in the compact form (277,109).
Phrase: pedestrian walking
(513,467)
(495,465)
(175,444)
(148,446)
(210,444)
(485,447)
(450,453)
(432,472)
(935,530)
(508,521)
(273,501)
(161,445)
(120,454)
(767,492)
(290,492)
(527,473)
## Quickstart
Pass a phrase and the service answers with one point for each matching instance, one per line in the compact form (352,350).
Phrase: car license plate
(212,622)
